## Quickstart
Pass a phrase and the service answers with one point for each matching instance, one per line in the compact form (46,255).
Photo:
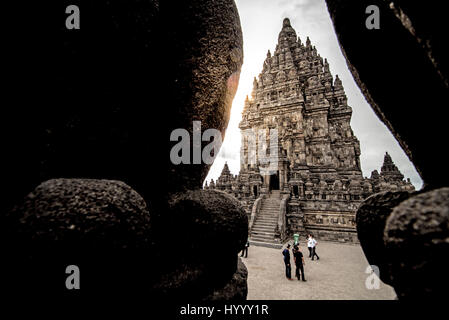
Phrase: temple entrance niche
(255,191)
(295,191)
(274,181)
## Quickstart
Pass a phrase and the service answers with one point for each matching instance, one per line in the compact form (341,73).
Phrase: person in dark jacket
(288,268)
(299,262)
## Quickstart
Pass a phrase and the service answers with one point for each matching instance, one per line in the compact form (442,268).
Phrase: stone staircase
(263,230)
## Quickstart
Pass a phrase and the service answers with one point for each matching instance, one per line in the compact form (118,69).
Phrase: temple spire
(225,170)
(389,169)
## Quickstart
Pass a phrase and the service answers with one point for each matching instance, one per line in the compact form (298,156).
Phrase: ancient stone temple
(298,118)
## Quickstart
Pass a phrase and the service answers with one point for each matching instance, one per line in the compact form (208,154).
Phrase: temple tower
(298,146)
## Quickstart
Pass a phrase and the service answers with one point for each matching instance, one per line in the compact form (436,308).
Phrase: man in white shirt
(310,244)
(313,243)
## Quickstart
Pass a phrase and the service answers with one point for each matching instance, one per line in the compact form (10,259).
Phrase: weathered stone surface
(371,218)
(406,55)
(236,289)
(199,282)
(417,239)
(203,231)
(318,156)
(205,56)
(208,220)
(429,33)
(83,207)
(101,226)
(115,90)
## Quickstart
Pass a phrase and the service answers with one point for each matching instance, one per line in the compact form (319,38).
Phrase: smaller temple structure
(328,211)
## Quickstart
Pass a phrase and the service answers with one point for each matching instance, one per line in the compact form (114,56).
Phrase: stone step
(263,239)
(268,213)
(267,235)
(263,234)
(267,244)
(265,225)
(259,237)
(267,217)
(263,228)
(266,222)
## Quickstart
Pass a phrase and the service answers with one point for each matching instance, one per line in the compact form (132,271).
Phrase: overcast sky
(261,23)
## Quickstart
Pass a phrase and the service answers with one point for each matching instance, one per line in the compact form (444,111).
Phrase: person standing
(245,249)
(299,262)
(309,244)
(314,243)
(288,268)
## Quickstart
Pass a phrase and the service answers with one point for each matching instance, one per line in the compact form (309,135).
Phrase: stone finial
(387,158)
(286,23)
(326,65)
(308,42)
(337,82)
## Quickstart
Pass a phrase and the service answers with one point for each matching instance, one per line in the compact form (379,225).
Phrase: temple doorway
(274,181)
(295,191)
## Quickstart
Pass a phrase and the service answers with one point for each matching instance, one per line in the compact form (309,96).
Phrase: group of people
(299,258)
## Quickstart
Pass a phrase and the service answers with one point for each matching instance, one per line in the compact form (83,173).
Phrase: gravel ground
(339,274)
